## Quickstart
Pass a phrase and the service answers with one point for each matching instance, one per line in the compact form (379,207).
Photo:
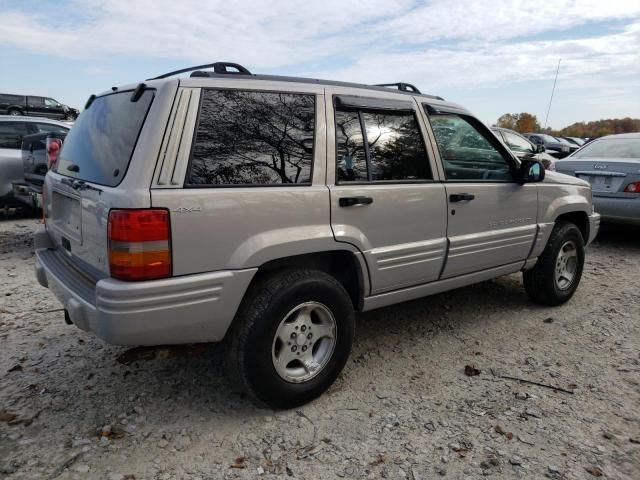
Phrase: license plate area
(66,213)
(603,183)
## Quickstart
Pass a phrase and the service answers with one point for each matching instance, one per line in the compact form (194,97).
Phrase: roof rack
(218,67)
(222,69)
(403,87)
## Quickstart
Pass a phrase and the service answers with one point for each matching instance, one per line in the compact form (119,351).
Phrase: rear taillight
(633,187)
(139,244)
(53,147)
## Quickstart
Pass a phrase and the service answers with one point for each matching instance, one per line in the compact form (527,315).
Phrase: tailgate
(88,180)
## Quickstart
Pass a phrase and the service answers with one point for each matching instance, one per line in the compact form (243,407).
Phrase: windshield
(100,144)
(611,148)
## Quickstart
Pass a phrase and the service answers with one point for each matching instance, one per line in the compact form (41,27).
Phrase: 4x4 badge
(187,209)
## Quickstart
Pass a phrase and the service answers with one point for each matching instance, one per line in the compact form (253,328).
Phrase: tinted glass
(516,142)
(466,153)
(49,127)
(35,101)
(350,156)
(11,134)
(102,140)
(11,99)
(253,138)
(610,148)
(396,147)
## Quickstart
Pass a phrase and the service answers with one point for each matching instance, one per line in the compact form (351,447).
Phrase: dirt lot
(403,407)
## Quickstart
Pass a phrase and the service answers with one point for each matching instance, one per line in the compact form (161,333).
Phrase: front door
(384,199)
(492,219)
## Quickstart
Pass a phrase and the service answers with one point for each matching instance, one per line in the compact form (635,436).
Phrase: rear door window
(253,138)
(392,148)
(11,134)
(99,147)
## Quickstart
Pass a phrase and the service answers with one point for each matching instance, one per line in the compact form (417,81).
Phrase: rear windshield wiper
(79,185)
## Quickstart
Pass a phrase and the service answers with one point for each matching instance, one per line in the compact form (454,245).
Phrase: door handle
(461,197)
(351,201)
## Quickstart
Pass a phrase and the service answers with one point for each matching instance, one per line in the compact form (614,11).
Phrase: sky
(493,57)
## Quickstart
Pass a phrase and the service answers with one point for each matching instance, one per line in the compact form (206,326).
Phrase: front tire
(557,274)
(291,338)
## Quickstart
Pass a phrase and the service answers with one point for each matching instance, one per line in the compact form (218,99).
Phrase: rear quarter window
(99,147)
(253,138)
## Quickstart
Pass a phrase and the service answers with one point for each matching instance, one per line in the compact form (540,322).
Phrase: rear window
(99,146)
(611,148)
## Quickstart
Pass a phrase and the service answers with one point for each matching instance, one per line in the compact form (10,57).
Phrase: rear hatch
(34,156)
(91,177)
(607,177)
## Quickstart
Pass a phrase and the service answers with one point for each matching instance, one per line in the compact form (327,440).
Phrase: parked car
(13,190)
(523,148)
(572,146)
(552,145)
(611,165)
(575,140)
(262,211)
(35,106)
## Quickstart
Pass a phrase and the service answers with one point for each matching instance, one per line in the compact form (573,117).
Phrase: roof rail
(218,67)
(403,87)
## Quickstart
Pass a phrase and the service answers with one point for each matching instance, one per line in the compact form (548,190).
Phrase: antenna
(552,91)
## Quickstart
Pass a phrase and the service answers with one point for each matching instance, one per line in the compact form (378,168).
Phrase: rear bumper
(621,209)
(187,309)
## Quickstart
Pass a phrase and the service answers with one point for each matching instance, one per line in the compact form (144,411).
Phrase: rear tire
(557,274)
(14,112)
(272,351)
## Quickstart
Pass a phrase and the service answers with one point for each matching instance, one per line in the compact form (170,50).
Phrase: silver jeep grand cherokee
(264,211)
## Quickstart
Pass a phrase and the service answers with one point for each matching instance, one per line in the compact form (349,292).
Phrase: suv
(263,211)
(36,106)
(552,145)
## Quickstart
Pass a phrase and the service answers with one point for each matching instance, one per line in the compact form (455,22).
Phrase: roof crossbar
(218,67)
(404,87)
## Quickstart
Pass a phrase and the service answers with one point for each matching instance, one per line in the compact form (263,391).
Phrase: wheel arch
(346,266)
(579,218)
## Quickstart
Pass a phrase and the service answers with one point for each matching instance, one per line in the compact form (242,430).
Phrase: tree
(520,122)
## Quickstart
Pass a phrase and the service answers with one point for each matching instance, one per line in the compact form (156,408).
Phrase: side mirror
(540,148)
(531,171)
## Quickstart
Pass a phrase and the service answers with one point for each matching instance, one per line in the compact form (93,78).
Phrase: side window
(253,138)
(35,101)
(11,134)
(466,153)
(49,127)
(50,102)
(517,143)
(394,149)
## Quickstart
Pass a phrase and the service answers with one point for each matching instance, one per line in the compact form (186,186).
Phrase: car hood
(562,179)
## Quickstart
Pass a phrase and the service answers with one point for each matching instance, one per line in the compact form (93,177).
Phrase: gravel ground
(403,407)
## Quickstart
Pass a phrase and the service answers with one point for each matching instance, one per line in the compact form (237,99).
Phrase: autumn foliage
(528,123)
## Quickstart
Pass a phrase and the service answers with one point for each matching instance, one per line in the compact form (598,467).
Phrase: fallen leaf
(7,417)
(238,463)
(595,471)
(15,368)
(471,371)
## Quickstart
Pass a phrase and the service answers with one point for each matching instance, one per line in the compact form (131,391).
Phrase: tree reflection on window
(248,138)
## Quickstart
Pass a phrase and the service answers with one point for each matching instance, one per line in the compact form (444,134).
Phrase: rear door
(92,175)
(492,219)
(385,198)
(35,107)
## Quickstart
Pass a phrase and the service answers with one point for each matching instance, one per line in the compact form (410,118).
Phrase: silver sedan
(611,165)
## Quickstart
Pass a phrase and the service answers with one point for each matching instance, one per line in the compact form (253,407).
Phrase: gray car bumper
(616,208)
(188,309)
